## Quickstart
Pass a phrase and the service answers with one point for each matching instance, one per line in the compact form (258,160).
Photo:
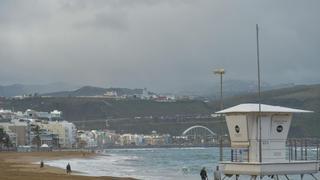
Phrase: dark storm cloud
(163,45)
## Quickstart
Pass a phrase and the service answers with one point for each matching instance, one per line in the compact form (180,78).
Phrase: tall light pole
(220,72)
(259,94)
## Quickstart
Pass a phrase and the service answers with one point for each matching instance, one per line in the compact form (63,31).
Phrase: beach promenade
(21,166)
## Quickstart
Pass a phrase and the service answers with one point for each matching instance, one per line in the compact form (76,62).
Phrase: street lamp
(220,72)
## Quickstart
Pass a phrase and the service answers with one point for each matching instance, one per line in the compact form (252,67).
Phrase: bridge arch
(198,127)
(199,135)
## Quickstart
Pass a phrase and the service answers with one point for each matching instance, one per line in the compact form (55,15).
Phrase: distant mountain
(93,91)
(22,89)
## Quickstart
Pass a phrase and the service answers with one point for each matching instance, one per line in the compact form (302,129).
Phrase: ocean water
(150,164)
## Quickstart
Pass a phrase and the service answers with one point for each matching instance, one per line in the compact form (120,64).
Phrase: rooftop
(254,108)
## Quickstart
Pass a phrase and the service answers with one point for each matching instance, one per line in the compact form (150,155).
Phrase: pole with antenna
(259,94)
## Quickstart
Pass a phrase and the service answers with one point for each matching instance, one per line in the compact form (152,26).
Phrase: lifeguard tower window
(237,129)
(279,128)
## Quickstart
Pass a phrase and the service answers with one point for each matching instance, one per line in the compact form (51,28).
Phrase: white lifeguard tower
(243,123)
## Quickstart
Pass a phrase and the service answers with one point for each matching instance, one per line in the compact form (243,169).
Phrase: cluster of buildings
(48,130)
(146,95)
(107,138)
(110,139)
(142,94)
(37,129)
(34,129)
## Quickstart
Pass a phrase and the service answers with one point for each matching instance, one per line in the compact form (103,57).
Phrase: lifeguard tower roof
(254,108)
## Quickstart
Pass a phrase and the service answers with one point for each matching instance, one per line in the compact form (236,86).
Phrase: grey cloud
(23,13)
(113,20)
(163,45)
(75,5)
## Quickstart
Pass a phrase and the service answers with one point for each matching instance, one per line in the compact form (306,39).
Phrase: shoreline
(159,146)
(21,166)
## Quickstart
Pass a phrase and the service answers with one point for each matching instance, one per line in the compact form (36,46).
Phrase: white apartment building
(64,129)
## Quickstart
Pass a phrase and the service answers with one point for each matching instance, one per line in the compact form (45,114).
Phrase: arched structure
(199,135)
(200,127)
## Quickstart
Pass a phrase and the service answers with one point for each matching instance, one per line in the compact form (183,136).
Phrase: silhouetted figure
(41,164)
(217,174)
(68,168)
(203,174)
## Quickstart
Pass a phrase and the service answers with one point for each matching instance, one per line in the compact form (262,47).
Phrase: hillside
(23,89)
(170,117)
(91,113)
(93,91)
(302,96)
(59,89)
(76,108)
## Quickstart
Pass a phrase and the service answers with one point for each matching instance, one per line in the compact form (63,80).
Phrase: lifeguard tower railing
(297,149)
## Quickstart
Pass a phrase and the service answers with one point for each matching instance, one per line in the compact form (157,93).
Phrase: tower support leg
(286,177)
(253,177)
(314,177)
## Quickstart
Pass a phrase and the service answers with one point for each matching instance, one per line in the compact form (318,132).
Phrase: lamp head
(219,71)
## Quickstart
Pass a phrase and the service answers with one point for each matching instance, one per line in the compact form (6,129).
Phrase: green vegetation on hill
(76,108)
(302,97)
(92,112)
(94,91)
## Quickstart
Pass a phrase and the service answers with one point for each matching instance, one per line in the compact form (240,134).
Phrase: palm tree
(4,139)
(36,140)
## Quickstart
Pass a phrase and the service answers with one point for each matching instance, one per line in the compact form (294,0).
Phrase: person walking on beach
(41,164)
(203,174)
(68,168)
(217,174)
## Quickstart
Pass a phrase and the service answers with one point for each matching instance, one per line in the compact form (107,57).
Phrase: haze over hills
(94,91)
(24,89)
(230,88)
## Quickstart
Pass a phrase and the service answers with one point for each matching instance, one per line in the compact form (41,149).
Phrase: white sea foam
(148,164)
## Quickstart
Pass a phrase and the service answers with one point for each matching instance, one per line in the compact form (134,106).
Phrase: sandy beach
(20,166)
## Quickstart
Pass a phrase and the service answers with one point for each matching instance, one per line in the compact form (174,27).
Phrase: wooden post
(221,149)
(317,151)
(231,155)
(305,149)
(291,148)
(289,145)
(301,149)
(295,150)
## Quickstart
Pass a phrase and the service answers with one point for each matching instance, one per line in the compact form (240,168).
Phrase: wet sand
(20,166)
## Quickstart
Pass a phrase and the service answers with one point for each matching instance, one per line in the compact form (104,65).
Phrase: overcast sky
(164,45)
